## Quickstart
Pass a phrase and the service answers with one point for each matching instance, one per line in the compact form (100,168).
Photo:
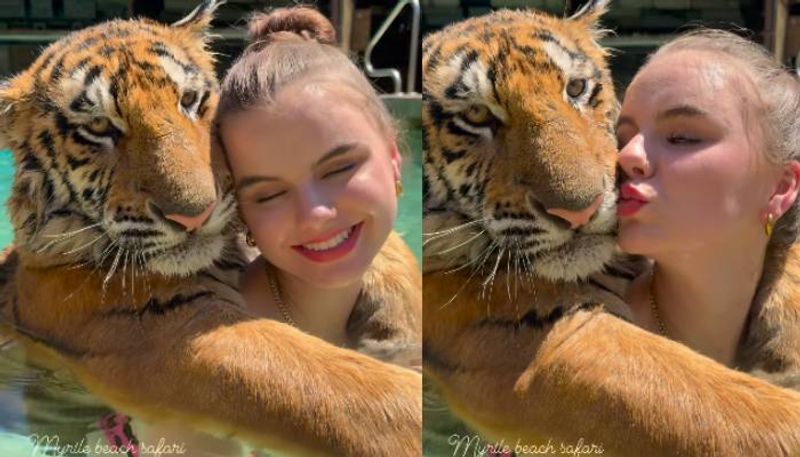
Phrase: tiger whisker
(494,247)
(452,299)
(487,254)
(72,251)
(508,269)
(526,262)
(124,269)
(61,238)
(73,232)
(490,279)
(517,260)
(133,275)
(477,258)
(515,276)
(75,266)
(144,273)
(88,276)
(112,269)
(106,251)
(440,233)
(452,248)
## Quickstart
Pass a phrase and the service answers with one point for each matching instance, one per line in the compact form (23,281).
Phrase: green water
(6,176)
(409,217)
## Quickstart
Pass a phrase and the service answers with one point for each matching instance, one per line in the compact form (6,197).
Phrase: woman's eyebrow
(248,181)
(681,111)
(337,151)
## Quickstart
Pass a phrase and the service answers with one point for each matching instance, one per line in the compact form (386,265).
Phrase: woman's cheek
(365,187)
(262,220)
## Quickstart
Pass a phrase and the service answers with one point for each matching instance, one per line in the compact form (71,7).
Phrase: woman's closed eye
(682,139)
(339,170)
(267,197)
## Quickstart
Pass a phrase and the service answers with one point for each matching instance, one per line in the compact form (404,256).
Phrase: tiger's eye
(478,114)
(576,87)
(100,126)
(188,98)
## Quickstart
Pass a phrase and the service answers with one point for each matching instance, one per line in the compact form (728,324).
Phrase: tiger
(527,338)
(127,255)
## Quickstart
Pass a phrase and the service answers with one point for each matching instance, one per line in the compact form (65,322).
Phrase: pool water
(6,176)
(409,217)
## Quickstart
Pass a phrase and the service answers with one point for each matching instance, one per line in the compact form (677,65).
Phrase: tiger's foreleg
(187,352)
(593,376)
(269,385)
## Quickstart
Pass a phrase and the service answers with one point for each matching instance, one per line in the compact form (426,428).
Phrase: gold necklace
(276,296)
(662,329)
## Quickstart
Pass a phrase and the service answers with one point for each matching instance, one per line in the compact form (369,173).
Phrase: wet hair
(296,46)
(772,92)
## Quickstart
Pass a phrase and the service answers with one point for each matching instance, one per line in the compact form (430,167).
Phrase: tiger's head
(518,116)
(110,129)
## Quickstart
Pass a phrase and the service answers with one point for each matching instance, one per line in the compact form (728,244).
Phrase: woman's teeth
(331,242)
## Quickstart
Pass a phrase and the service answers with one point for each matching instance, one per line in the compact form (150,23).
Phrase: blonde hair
(289,45)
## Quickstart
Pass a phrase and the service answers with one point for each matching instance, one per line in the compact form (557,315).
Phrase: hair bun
(300,22)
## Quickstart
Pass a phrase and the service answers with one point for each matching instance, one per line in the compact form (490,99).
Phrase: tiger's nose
(577,218)
(192,222)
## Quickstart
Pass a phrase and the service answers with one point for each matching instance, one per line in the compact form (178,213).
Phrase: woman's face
(315,180)
(694,170)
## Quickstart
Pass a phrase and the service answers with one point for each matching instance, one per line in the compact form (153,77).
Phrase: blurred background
(640,26)
(26,25)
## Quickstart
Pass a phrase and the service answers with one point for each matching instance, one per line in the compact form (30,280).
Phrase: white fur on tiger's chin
(190,258)
(583,256)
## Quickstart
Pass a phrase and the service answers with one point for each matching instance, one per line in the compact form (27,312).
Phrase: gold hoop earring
(769,225)
(248,238)
(398,188)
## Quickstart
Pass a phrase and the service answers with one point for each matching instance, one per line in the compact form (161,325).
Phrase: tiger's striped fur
(110,131)
(526,336)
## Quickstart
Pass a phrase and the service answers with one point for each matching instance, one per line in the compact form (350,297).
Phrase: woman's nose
(315,209)
(633,158)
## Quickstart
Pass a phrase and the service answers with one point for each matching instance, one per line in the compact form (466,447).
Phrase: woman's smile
(332,246)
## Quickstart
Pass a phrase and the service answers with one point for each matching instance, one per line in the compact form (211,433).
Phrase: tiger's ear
(199,20)
(590,12)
